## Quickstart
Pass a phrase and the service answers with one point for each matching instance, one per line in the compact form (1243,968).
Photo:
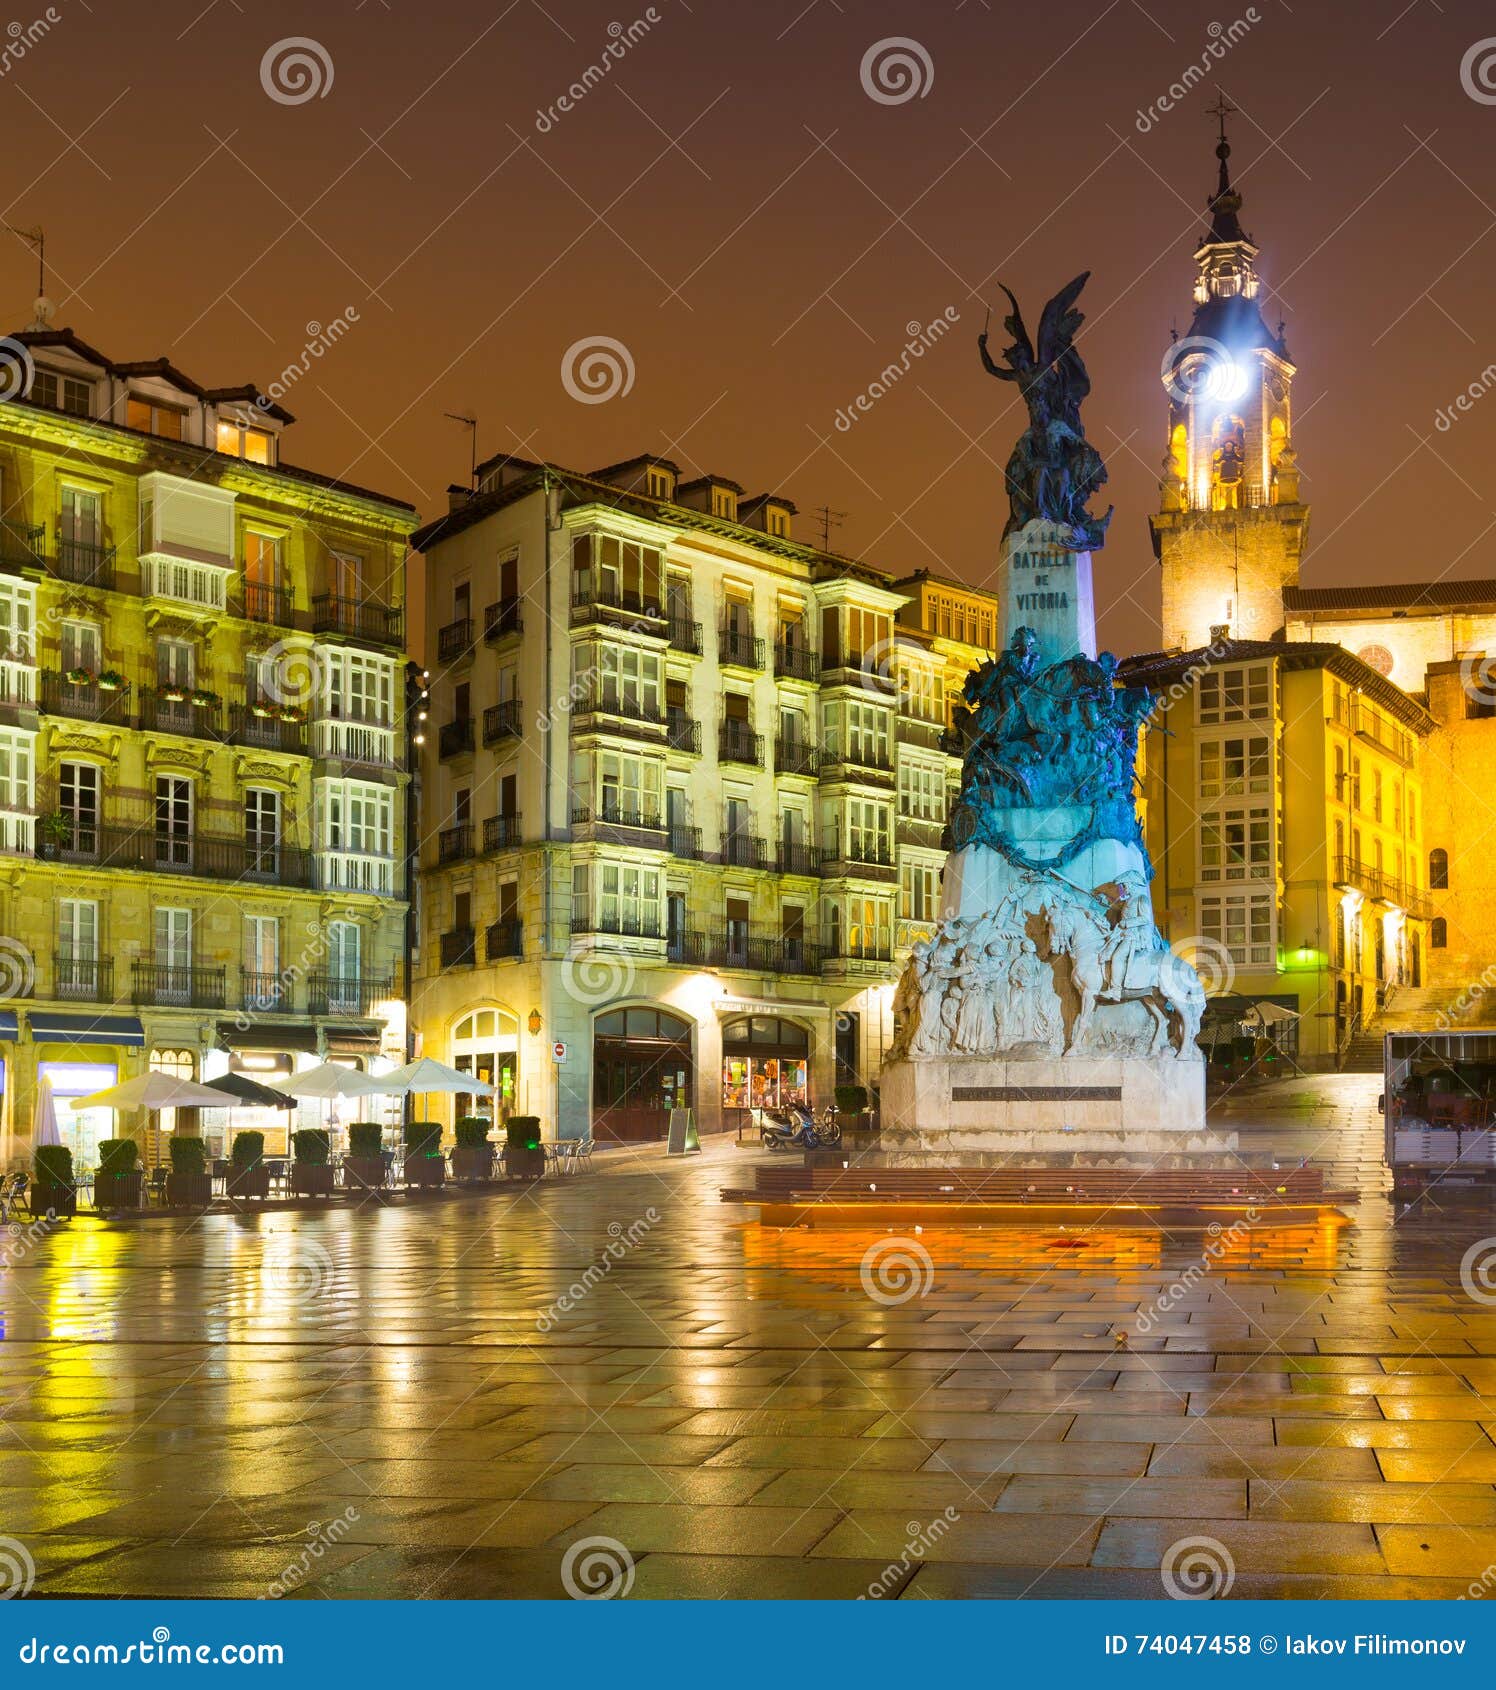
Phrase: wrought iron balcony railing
(738,650)
(455,738)
(67,839)
(796,757)
(796,662)
(459,948)
(170,710)
(85,563)
(503,618)
(166,984)
(88,979)
(502,721)
(737,743)
(348,994)
(685,636)
(21,545)
(797,858)
(359,619)
(682,733)
(264,727)
(504,940)
(454,844)
(500,832)
(262,601)
(87,701)
(264,992)
(455,641)
(744,850)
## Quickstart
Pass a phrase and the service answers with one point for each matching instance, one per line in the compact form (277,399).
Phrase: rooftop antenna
(470,423)
(36,239)
(829,519)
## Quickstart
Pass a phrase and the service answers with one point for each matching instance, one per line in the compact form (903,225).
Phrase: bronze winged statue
(1054,469)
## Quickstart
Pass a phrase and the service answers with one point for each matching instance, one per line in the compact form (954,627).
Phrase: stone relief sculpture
(1047,778)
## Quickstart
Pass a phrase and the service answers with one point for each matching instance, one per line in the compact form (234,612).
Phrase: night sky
(732,206)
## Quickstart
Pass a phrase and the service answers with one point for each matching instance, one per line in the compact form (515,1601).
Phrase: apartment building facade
(685,783)
(202,741)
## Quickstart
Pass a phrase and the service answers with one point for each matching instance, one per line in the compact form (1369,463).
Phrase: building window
(921,792)
(62,393)
(1438,934)
(629,789)
(1438,869)
(344,951)
(17,618)
(149,416)
(919,891)
(1242,923)
(1236,845)
(239,440)
(1229,767)
(1235,694)
(358,687)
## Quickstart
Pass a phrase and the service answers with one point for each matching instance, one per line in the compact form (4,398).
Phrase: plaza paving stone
(449,1397)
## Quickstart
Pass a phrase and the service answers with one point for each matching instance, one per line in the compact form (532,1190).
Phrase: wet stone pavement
(618,1383)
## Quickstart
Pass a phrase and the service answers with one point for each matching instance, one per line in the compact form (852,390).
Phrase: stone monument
(1046,1014)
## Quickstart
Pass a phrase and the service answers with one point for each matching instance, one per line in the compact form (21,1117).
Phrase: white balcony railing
(17,834)
(202,586)
(17,682)
(355,871)
(354,742)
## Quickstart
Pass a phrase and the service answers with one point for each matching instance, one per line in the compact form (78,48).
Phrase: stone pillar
(1043,586)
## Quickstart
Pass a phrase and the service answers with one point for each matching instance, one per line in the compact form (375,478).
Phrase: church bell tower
(1230,529)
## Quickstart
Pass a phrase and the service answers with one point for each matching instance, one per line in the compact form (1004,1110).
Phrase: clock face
(1376,657)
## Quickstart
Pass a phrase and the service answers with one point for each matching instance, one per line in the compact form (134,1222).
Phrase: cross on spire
(1222,109)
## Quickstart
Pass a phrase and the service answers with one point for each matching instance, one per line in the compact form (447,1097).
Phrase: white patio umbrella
(328,1080)
(426,1075)
(44,1117)
(154,1091)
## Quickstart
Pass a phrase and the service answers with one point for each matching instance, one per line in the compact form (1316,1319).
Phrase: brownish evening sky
(759,233)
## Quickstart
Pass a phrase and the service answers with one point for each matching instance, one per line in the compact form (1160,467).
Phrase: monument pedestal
(946,1108)
(1042,584)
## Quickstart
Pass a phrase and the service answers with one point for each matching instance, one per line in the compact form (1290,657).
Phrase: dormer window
(239,440)
(725,503)
(149,416)
(62,393)
(658,482)
(779,523)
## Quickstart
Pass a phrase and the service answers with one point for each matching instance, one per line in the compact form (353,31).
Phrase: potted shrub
(57,826)
(111,680)
(364,1163)
(80,677)
(424,1162)
(851,1104)
(117,1183)
(292,713)
(472,1155)
(523,1156)
(174,694)
(52,1181)
(189,1185)
(248,1175)
(204,698)
(311,1172)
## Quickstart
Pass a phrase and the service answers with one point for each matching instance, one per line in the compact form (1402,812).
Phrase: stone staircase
(1413,1009)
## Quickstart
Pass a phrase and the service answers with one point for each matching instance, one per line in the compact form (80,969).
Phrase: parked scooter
(795,1128)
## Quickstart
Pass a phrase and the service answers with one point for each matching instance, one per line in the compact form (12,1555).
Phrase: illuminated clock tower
(1230,528)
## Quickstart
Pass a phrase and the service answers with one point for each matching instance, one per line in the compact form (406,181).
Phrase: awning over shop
(48,1026)
(9,1026)
(353,1041)
(1239,1006)
(267,1035)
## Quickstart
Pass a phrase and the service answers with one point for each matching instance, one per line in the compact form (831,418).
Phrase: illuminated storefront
(642,1068)
(485,1044)
(765,1065)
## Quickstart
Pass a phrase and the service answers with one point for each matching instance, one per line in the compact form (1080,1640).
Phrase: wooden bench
(787,1190)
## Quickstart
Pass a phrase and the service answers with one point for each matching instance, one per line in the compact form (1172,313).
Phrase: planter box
(311,1179)
(118,1191)
(248,1182)
(425,1170)
(60,1199)
(472,1161)
(189,1191)
(363,1171)
(525,1164)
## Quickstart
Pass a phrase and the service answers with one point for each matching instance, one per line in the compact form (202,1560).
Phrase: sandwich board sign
(682,1136)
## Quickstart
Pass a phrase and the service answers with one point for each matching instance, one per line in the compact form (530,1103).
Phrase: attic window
(725,503)
(149,417)
(62,393)
(779,523)
(239,440)
(659,484)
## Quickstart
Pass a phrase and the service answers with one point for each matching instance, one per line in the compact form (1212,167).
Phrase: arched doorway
(485,1044)
(642,1068)
(765,1065)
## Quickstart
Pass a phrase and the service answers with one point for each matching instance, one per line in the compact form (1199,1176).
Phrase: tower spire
(1225,202)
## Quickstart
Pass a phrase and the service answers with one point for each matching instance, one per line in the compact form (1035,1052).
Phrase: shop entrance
(642,1068)
(485,1044)
(765,1065)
